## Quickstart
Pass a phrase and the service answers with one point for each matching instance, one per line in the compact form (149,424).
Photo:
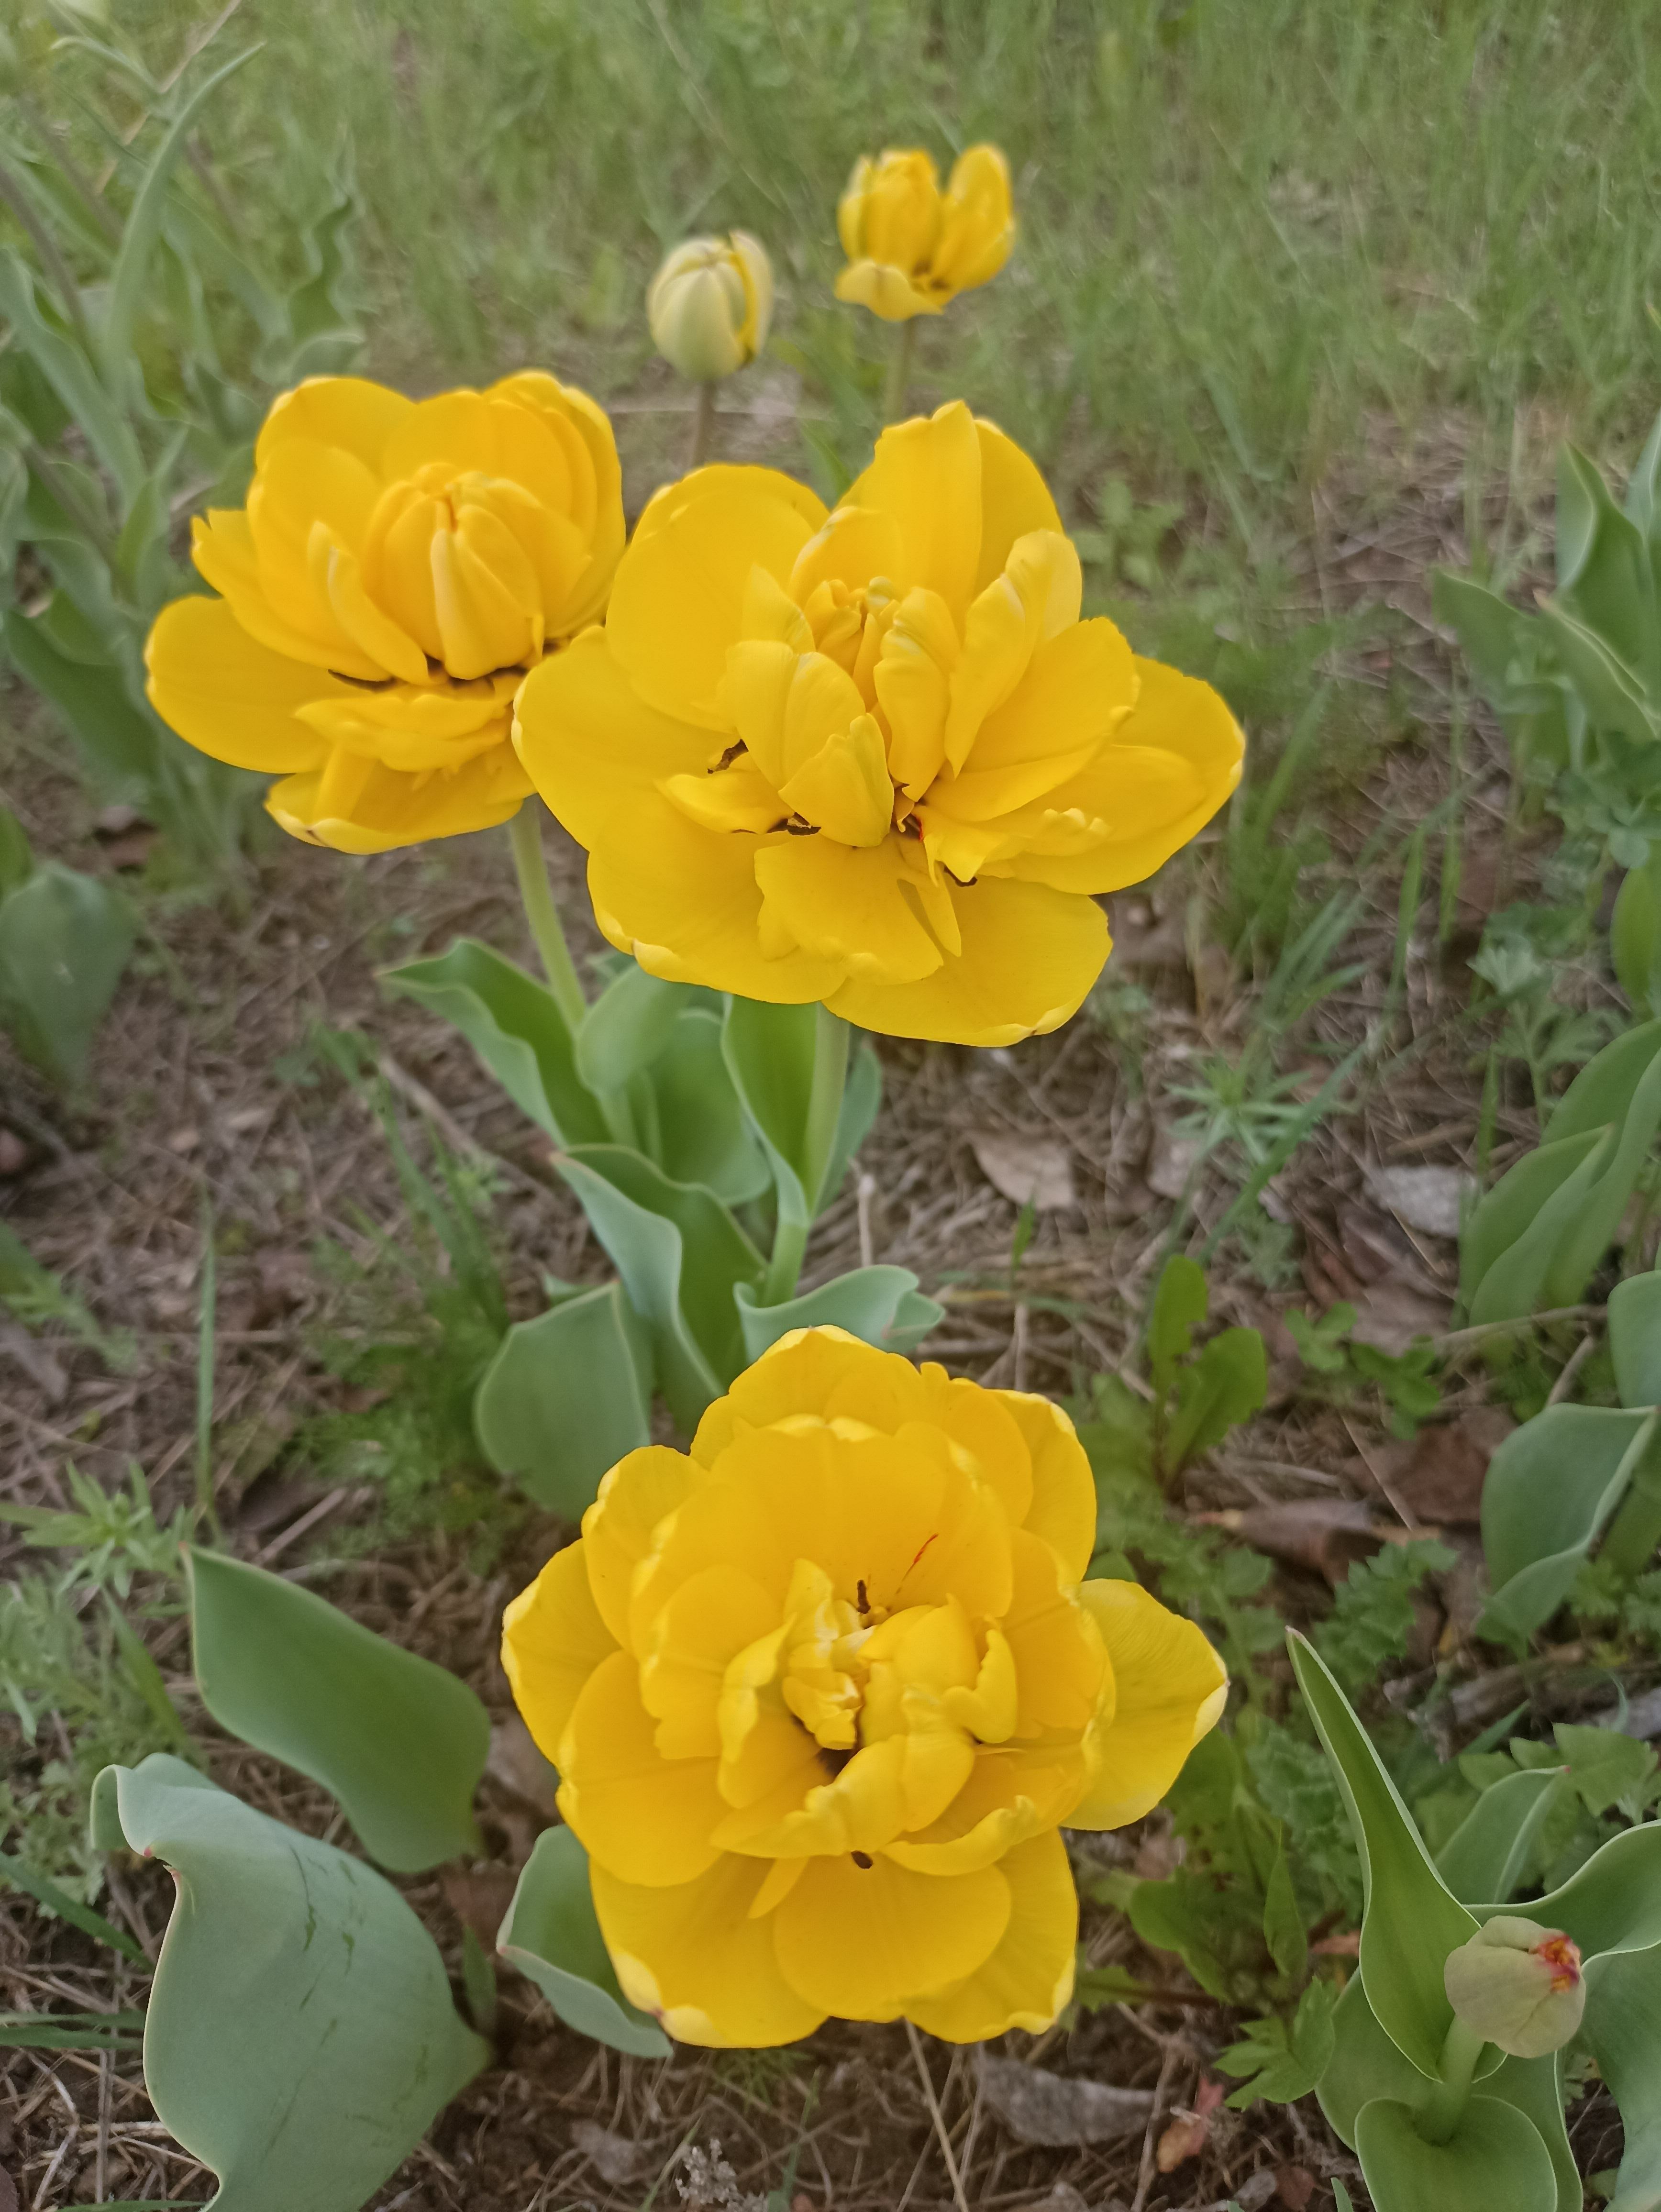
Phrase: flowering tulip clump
(822,1692)
(399,567)
(872,757)
(912,248)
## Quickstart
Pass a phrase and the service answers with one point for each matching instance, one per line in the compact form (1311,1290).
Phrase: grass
(1247,224)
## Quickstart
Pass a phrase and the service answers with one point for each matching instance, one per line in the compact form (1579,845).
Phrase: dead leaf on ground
(36,1362)
(1391,1314)
(1426,1199)
(1170,1161)
(1442,1479)
(1325,1535)
(8,2192)
(1190,2131)
(1053,2109)
(13,1152)
(1035,1172)
(1296,2186)
(1140,940)
(613,2156)
(480,1897)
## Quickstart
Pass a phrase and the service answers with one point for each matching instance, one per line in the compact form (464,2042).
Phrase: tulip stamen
(733,752)
(364,683)
(864,1860)
(794,826)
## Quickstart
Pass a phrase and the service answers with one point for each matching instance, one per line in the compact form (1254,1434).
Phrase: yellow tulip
(822,1692)
(871,757)
(911,247)
(397,567)
(710,306)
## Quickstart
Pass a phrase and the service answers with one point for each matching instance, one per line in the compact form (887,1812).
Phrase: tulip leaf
(565,1397)
(881,1305)
(1493,2161)
(1551,1488)
(64,940)
(1603,563)
(16,860)
(553,1937)
(1487,1855)
(72,376)
(1635,1339)
(627,1027)
(1613,1903)
(1519,1222)
(1635,935)
(681,1255)
(700,1133)
(399,1741)
(789,1065)
(300,2038)
(1613,692)
(1412,1919)
(1365,2063)
(1622,2030)
(516,1029)
(1535,2087)
(1495,637)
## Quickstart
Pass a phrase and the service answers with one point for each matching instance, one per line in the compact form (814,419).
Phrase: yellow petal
(784,705)
(376,636)
(1014,1791)
(643,1817)
(411,729)
(989,1710)
(1028,1975)
(222,547)
(726,799)
(1059,1663)
(859,1941)
(620,1527)
(699,1956)
(912,681)
(1063,1508)
(889,293)
(595,750)
(679,597)
(977,228)
(846,906)
(692,1640)
(389,809)
(348,412)
(1036,599)
(1075,693)
(927,475)
(552,1639)
(1170,1690)
(481,628)
(900,218)
(855,544)
(815,1370)
(1167,769)
(597,492)
(228,696)
(1026,966)
(1014,501)
(979,1420)
(844,787)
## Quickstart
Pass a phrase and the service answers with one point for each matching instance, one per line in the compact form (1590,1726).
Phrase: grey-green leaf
(882,1305)
(64,940)
(1550,1491)
(1484,1860)
(1493,2161)
(565,1397)
(399,1741)
(552,1937)
(301,2038)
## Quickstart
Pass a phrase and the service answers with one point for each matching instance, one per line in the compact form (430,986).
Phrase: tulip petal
(692,1954)
(1028,1976)
(693,1638)
(552,1639)
(888,292)
(595,750)
(1014,501)
(229,696)
(979,1420)
(1034,598)
(620,1527)
(389,809)
(1166,769)
(1060,1666)
(223,549)
(815,1370)
(1063,1508)
(1013,1792)
(678,600)
(848,906)
(1026,966)
(859,1941)
(348,412)
(1170,1690)
(927,474)
(643,1817)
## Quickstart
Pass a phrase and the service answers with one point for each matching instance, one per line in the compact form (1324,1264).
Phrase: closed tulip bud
(1517,1985)
(710,304)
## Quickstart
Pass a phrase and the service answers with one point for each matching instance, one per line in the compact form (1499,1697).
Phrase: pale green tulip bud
(710,304)
(1518,1985)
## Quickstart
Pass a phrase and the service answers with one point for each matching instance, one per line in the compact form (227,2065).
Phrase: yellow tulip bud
(911,247)
(710,304)
(1518,1985)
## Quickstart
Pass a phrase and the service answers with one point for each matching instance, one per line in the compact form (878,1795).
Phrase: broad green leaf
(700,1133)
(681,1256)
(1613,1903)
(551,1937)
(1635,1339)
(1587,1235)
(64,940)
(881,1305)
(1613,691)
(1224,1386)
(1514,1234)
(121,743)
(16,860)
(399,1741)
(1643,499)
(1623,2031)
(1550,1490)
(859,1101)
(72,376)
(1364,2064)
(788,1065)
(1635,935)
(129,276)
(301,2038)
(1535,2087)
(627,1027)
(1494,636)
(1602,564)
(1412,1919)
(1493,2161)
(516,1029)
(1180,1298)
(1487,1855)
(566,1396)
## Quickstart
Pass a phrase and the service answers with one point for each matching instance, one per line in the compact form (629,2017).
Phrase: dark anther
(860,1593)
(364,683)
(863,1860)
(833,1761)
(731,753)
(964,883)
(795,827)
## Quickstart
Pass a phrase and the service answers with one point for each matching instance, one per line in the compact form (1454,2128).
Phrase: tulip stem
(899,371)
(831,1039)
(703,423)
(536,893)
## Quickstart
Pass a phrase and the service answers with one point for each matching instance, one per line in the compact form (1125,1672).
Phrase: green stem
(833,1038)
(704,424)
(531,866)
(1439,2115)
(899,372)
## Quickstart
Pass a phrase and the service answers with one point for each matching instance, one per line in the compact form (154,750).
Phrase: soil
(203,1090)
